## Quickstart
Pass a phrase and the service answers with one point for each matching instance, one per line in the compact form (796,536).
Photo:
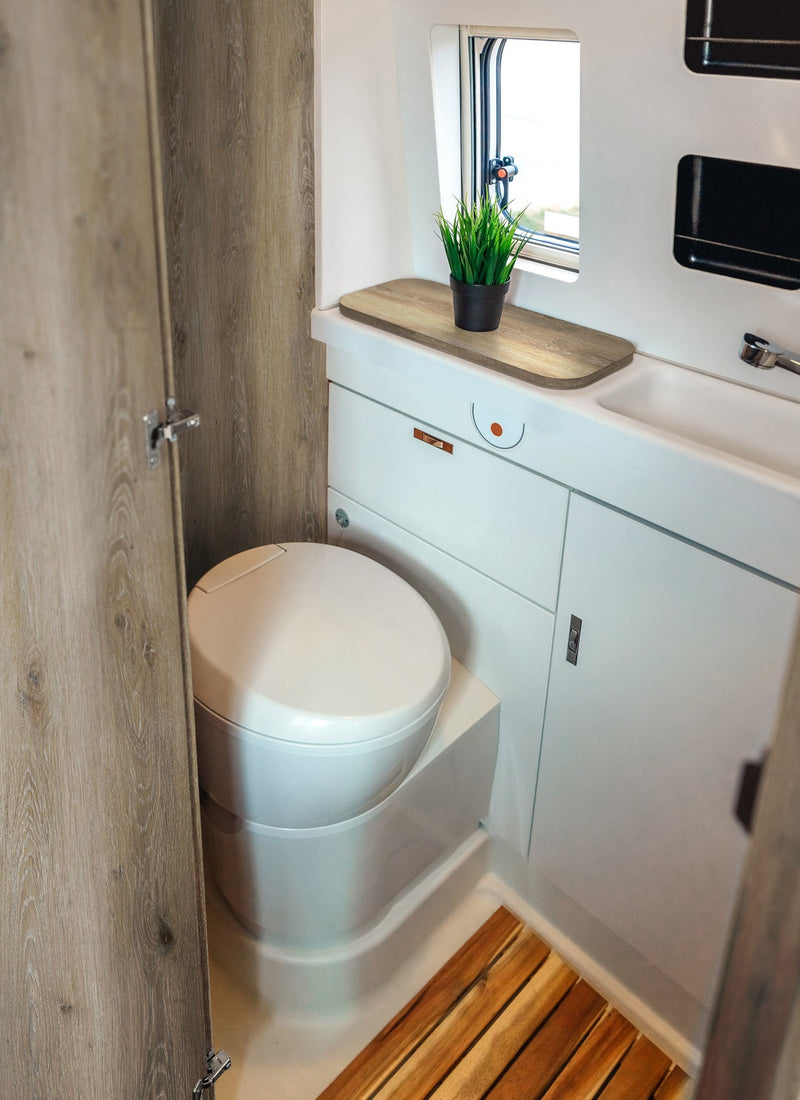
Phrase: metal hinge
(176,424)
(217,1064)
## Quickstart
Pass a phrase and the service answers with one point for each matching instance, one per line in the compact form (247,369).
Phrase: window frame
(476,127)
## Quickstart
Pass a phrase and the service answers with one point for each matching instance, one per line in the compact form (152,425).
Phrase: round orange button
(496,429)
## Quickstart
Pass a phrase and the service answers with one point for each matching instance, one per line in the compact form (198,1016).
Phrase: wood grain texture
(499,1044)
(425,1068)
(236,104)
(544,351)
(416,1021)
(595,1060)
(534,1069)
(102,977)
(642,1070)
(675,1086)
(506,1018)
(759,1000)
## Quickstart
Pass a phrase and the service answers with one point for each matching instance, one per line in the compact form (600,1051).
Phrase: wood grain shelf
(532,347)
(507,1019)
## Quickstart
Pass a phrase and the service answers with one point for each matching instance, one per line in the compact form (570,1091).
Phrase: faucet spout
(762,354)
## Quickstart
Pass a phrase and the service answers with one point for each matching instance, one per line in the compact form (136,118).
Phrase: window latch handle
(501,172)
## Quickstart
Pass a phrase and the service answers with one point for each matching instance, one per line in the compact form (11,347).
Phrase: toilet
(318,675)
(328,790)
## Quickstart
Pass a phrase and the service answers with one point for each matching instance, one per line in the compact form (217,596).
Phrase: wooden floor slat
(595,1059)
(676,1086)
(507,1019)
(409,1027)
(642,1070)
(501,1042)
(539,1063)
(424,1069)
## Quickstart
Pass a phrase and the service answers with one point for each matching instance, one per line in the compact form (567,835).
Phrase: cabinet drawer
(484,510)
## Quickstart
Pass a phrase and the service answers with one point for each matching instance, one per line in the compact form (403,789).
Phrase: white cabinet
(502,638)
(480,538)
(487,512)
(677,681)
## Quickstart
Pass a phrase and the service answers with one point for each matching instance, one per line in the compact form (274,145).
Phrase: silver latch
(176,424)
(217,1064)
(574,639)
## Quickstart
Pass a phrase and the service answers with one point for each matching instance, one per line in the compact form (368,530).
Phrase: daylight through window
(521,111)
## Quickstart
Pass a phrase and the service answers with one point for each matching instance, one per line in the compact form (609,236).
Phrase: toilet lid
(315,644)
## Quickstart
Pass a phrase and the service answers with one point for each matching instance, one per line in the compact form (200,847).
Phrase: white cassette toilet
(318,676)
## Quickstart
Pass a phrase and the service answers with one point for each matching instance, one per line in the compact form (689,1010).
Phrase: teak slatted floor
(506,1019)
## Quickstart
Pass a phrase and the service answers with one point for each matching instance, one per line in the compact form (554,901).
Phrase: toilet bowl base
(334,980)
(316,906)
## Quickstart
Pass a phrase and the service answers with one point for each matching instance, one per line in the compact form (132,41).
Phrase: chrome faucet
(764,355)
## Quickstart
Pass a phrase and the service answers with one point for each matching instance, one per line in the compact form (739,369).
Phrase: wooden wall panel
(752,1053)
(103,981)
(236,107)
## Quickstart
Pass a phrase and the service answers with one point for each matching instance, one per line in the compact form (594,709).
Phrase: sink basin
(742,422)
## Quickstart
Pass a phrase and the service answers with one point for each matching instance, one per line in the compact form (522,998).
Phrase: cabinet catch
(440,444)
(574,639)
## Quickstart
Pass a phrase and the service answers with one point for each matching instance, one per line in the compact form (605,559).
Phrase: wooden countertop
(533,347)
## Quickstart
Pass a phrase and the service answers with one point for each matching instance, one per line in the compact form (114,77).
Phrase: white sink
(741,422)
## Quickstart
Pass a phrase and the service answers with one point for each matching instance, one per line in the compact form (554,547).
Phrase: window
(520,133)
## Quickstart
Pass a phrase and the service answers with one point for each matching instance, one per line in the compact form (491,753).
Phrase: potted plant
(481,250)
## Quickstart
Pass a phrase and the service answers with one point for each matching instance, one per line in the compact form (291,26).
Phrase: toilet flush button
(497,428)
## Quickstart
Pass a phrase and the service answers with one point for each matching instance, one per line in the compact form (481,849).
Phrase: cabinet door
(500,637)
(483,510)
(677,681)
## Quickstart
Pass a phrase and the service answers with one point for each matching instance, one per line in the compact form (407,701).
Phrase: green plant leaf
(479,242)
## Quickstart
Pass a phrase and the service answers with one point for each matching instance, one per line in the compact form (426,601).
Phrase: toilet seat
(318,676)
(315,645)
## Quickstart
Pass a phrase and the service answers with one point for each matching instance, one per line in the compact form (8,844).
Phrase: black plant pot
(477,307)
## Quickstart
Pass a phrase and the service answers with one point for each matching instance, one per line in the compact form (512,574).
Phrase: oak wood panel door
(103,974)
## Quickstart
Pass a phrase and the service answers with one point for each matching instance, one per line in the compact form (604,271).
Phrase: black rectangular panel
(744,37)
(739,219)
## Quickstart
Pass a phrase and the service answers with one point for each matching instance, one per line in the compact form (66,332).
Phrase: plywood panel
(236,104)
(545,351)
(103,986)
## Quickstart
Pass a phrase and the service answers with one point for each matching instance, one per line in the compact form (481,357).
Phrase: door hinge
(176,423)
(217,1064)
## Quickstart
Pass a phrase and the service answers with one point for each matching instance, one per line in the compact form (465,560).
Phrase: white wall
(642,109)
(363,226)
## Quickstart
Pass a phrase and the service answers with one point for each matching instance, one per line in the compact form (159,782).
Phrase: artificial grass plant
(479,242)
